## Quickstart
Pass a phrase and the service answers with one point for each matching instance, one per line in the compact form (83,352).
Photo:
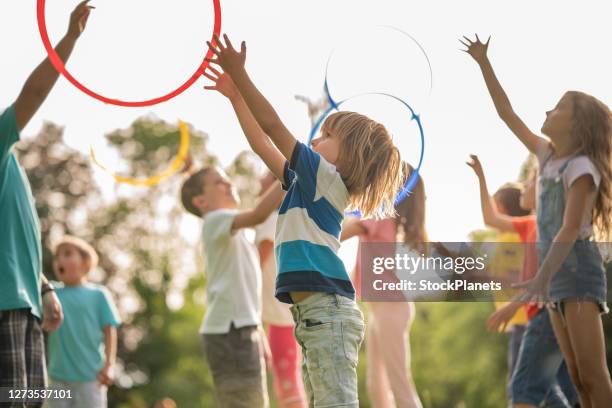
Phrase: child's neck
(564,149)
(80,282)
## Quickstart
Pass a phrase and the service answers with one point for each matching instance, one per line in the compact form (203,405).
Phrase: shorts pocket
(352,337)
(311,325)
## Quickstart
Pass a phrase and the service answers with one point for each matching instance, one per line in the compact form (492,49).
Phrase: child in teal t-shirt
(82,351)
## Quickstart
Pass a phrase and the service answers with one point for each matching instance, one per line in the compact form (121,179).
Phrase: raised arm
(232,62)
(504,109)
(269,202)
(490,215)
(41,80)
(258,140)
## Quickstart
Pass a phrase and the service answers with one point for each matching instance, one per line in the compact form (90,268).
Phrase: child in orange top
(537,370)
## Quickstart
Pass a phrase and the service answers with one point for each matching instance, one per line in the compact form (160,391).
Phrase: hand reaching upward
(474,163)
(228,58)
(477,49)
(222,83)
(78,19)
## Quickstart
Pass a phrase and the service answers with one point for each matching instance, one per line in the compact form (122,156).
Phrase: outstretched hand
(222,83)
(477,49)
(474,163)
(78,19)
(227,57)
(536,290)
(498,321)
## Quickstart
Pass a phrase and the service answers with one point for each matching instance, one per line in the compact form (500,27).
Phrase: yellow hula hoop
(176,165)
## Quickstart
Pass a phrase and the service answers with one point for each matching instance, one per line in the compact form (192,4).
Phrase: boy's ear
(87,264)
(199,202)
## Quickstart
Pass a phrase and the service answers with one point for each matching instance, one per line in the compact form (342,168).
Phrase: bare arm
(504,109)
(232,62)
(491,216)
(257,138)
(564,240)
(351,228)
(110,344)
(105,375)
(43,78)
(265,249)
(268,203)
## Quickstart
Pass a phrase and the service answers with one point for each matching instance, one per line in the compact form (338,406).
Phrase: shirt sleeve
(577,168)
(109,314)
(9,134)
(288,176)
(218,225)
(305,163)
(520,225)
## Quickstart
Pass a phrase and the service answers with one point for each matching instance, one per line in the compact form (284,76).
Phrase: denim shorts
(541,373)
(581,276)
(330,329)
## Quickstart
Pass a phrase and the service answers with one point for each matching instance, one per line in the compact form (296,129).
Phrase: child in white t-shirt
(230,329)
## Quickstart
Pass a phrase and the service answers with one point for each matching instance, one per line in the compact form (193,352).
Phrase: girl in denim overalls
(574,204)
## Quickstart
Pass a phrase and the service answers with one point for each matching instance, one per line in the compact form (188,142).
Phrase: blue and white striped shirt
(308,228)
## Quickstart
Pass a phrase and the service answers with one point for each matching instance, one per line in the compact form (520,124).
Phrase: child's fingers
(211,88)
(213,61)
(243,47)
(477,39)
(218,42)
(228,43)
(214,71)
(211,77)
(520,285)
(82,4)
(503,327)
(468,40)
(213,49)
(467,45)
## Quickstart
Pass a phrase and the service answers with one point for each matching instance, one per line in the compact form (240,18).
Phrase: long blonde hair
(370,162)
(592,127)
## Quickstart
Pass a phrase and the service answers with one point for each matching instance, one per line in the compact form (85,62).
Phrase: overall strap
(547,158)
(567,162)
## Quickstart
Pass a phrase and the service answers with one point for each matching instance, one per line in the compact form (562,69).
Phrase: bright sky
(139,49)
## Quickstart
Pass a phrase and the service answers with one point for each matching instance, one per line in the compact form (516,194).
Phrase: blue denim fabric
(541,375)
(582,275)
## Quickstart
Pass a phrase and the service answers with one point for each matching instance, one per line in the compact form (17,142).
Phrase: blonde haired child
(352,164)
